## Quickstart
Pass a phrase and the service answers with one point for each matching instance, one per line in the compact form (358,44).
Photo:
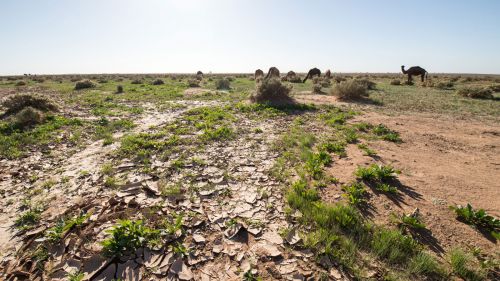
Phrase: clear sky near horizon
(161,36)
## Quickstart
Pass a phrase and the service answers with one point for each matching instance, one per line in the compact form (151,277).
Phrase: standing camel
(273,72)
(414,71)
(311,73)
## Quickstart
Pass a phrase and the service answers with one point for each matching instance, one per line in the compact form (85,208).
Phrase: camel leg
(409,78)
(422,77)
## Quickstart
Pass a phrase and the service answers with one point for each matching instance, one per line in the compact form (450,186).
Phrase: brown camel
(328,74)
(311,73)
(259,74)
(414,71)
(199,73)
(273,72)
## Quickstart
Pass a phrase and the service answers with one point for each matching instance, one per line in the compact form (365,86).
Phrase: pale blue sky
(158,36)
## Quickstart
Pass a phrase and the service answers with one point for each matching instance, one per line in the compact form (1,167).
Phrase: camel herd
(291,75)
(315,72)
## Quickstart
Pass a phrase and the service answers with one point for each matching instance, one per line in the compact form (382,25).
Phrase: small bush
(28,117)
(476,93)
(193,83)
(349,90)
(317,88)
(119,89)
(444,85)
(136,81)
(369,85)
(84,84)
(16,103)
(395,82)
(223,84)
(21,83)
(272,91)
(157,82)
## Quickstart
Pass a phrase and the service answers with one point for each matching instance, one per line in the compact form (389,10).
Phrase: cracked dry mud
(235,210)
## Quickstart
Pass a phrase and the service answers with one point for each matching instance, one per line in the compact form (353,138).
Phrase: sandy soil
(443,162)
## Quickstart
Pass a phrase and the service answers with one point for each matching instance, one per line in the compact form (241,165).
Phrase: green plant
(367,151)
(126,237)
(386,134)
(464,266)
(76,276)
(355,193)
(28,219)
(478,218)
(376,173)
(335,147)
(107,169)
(425,264)
(405,221)
(111,182)
(119,89)
(384,187)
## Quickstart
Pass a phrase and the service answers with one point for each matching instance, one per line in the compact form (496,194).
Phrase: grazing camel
(311,73)
(328,74)
(414,71)
(273,72)
(259,74)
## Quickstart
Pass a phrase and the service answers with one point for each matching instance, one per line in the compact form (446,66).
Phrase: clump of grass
(476,93)
(337,147)
(272,91)
(28,219)
(223,84)
(350,90)
(21,83)
(126,237)
(110,182)
(464,266)
(393,246)
(107,169)
(157,82)
(478,218)
(317,87)
(136,81)
(444,85)
(354,193)
(425,264)
(221,133)
(386,134)
(395,82)
(84,84)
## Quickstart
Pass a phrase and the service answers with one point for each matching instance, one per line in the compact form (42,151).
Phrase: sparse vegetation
(476,93)
(349,90)
(125,237)
(478,218)
(223,84)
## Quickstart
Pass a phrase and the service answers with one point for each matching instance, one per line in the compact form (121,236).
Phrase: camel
(328,74)
(273,72)
(259,74)
(311,73)
(414,71)
(199,73)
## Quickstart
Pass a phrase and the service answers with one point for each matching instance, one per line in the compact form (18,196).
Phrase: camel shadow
(425,237)
(398,197)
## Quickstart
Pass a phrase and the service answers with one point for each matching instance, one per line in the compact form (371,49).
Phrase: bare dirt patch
(443,162)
